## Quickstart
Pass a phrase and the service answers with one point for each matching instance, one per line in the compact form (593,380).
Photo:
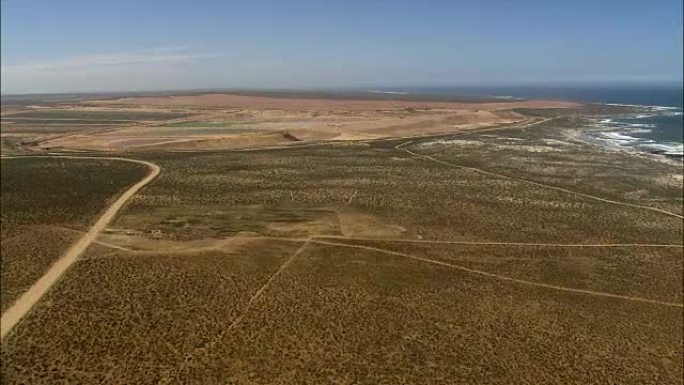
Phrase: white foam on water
(618,136)
(640,125)
(654,108)
(667,148)
(621,134)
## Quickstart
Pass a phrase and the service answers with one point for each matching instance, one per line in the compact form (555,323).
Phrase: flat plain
(46,205)
(305,239)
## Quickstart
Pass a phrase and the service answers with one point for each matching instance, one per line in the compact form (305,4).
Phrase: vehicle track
(169,376)
(133,124)
(14,314)
(474,243)
(567,191)
(325,142)
(223,242)
(505,278)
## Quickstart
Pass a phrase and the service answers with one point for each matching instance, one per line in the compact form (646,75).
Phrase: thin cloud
(155,55)
(179,48)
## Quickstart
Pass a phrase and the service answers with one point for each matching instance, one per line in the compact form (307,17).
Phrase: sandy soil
(259,102)
(364,225)
(269,128)
(224,121)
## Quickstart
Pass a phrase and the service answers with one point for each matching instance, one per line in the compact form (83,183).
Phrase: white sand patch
(452,142)
(526,148)
(555,142)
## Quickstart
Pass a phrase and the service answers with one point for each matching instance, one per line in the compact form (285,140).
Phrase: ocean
(660,132)
(658,129)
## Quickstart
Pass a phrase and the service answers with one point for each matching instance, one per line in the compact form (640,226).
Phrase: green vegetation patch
(47,128)
(214,124)
(96,115)
(50,122)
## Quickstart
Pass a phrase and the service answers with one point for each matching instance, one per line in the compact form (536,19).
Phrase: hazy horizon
(465,88)
(73,47)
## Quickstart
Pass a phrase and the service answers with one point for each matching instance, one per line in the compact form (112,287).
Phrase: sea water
(658,127)
(659,132)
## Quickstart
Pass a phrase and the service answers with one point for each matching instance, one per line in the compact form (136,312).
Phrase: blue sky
(126,45)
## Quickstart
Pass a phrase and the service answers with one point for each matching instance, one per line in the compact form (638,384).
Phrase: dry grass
(209,308)
(26,257)
(644,272)
(42,201)
(427,199)
(335,314)
(351,316)
(553,153)
(118,318)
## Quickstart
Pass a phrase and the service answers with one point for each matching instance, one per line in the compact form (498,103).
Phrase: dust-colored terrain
(295,240)
(224,121)
(294,103)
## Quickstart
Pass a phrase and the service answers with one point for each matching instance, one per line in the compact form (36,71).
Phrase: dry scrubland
(426,324)
(368,188)
(124,319)
(316,264)
(627,271)
(554,154)
(45,205)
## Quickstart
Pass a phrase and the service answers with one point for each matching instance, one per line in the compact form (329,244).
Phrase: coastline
(639,132)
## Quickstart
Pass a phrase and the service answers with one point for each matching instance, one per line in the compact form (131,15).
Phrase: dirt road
(522,244)
(170,375)
(25,303)
(564,190)
(505,278)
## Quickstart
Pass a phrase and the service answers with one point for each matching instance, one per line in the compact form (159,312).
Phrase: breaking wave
(639,131)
